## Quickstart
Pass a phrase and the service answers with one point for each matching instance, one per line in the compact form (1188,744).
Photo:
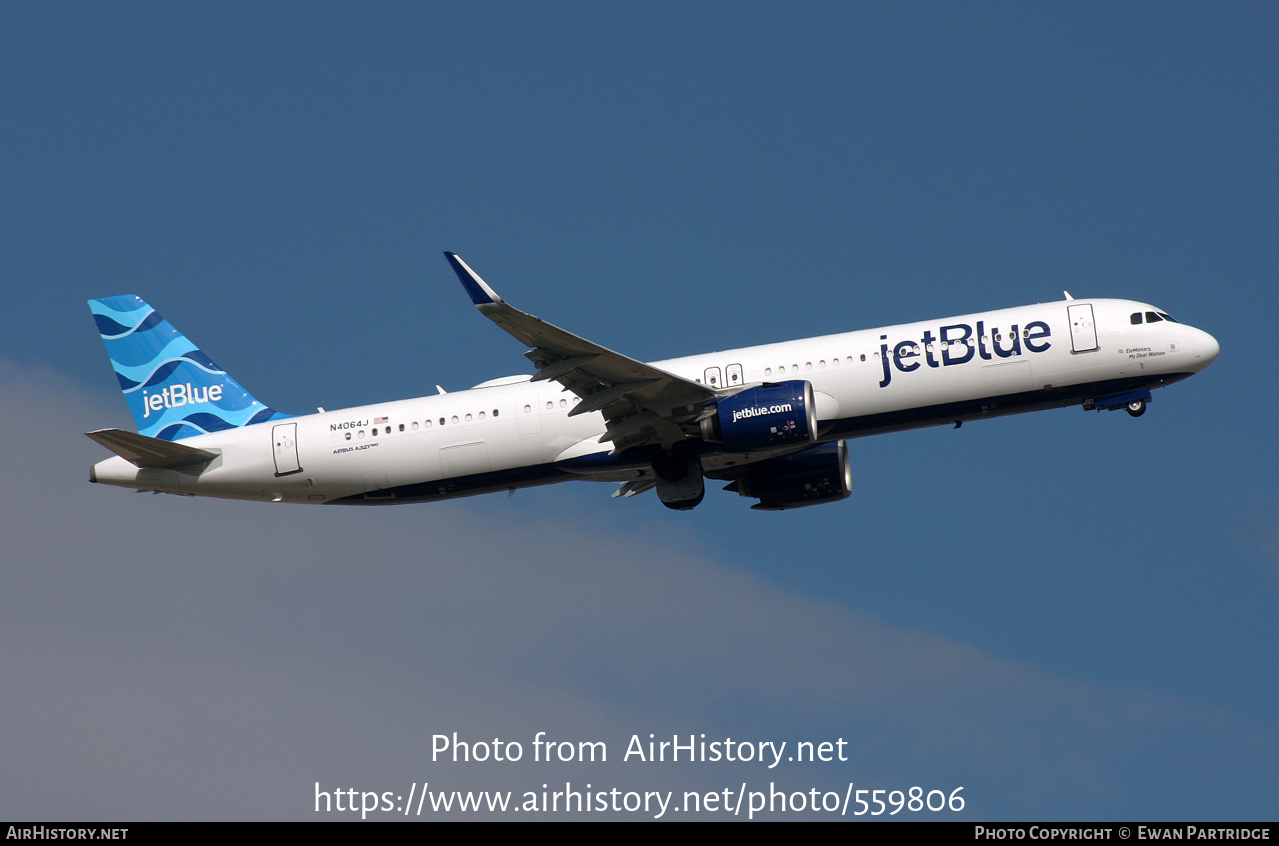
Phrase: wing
(642,404)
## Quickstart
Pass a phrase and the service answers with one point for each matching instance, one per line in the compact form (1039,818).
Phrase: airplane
(772,421)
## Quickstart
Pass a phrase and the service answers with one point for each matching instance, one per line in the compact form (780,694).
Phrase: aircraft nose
(1206,348)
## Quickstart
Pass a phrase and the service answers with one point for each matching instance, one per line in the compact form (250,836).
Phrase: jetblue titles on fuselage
(960,343)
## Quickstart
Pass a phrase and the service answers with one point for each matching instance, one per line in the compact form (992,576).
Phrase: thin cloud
(169,657)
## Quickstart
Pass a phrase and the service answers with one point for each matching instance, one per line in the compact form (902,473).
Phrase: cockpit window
(1151,317)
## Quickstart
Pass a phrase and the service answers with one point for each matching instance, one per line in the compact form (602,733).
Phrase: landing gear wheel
(1136,408)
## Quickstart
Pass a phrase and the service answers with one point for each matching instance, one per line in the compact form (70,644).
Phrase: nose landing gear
(1134,402)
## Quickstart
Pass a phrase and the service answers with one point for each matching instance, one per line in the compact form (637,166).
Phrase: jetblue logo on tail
(176,396)
(173,389)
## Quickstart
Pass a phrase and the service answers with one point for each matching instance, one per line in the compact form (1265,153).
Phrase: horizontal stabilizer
(142,451)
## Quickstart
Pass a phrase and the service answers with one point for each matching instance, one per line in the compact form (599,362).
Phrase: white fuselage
(515,433)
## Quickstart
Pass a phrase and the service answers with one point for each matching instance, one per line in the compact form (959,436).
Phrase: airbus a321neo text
(769,420)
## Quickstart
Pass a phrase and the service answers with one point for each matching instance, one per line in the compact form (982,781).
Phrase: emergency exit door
(284,439)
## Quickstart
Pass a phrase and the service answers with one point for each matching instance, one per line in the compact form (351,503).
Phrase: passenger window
(468,418)
(348,436)
(495,412)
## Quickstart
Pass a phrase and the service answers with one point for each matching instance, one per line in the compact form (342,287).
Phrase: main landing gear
(679,480)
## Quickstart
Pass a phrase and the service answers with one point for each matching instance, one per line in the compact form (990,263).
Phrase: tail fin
(174,391)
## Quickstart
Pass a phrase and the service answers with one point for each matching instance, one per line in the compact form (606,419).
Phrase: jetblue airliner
(770,420)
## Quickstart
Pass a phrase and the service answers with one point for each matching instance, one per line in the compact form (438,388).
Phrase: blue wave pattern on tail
(173,389)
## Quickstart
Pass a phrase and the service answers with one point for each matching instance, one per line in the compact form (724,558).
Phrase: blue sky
(1071,614)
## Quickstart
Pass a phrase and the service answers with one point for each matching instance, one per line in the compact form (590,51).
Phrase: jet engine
(770,415)
(815,475)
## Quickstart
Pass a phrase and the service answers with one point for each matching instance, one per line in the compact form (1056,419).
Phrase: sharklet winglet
(476,288)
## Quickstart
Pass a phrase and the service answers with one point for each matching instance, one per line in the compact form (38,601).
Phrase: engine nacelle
(770,415)
(816,475)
